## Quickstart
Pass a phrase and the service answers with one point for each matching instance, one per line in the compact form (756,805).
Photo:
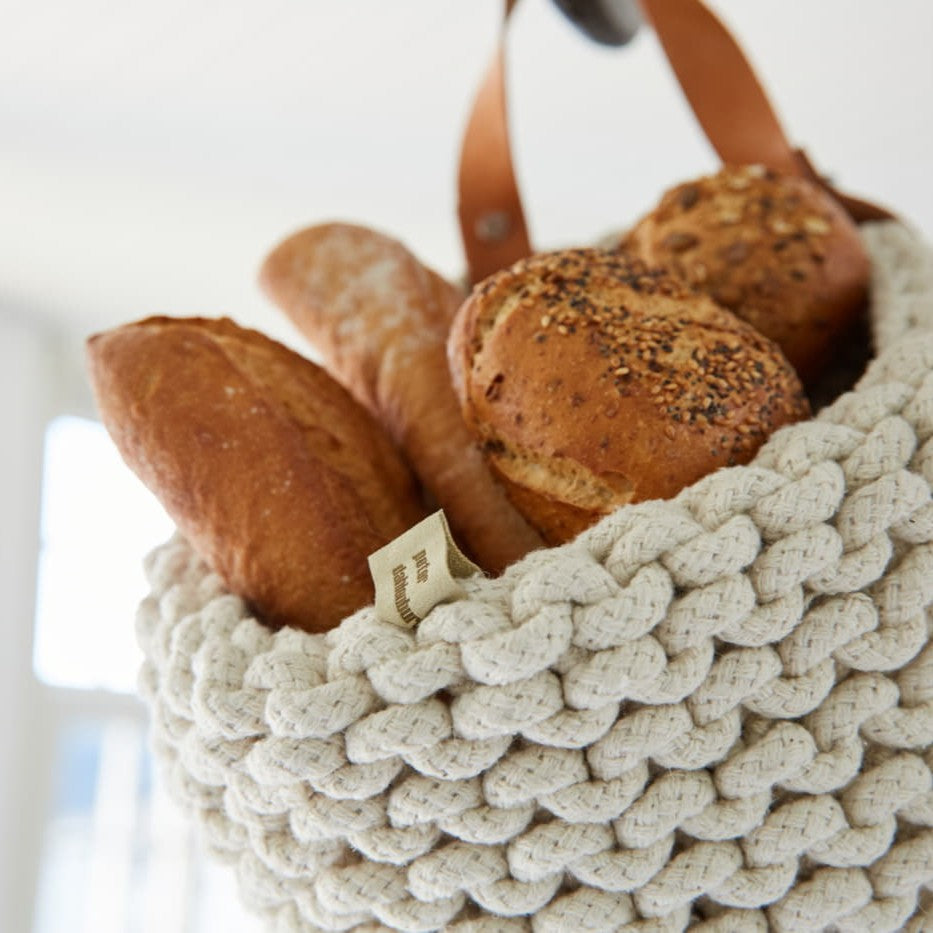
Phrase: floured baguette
(380,319)
(277,477)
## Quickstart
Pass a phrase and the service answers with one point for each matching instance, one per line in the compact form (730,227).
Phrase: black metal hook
(608,22)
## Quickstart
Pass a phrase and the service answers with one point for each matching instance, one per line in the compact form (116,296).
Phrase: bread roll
(778,251)
(592,381)
(277,477)
(380,320)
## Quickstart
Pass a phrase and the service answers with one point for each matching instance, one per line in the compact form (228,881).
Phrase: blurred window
(118,856)
(98,521)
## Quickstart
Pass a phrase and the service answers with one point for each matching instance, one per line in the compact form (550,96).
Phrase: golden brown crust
(778,251)
(278,478)
(380,319)
(592,381)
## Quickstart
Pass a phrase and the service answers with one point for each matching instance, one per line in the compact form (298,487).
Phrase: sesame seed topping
(816,225)
(648,333)
(677,242)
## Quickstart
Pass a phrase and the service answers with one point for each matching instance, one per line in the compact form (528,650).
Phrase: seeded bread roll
(277,477)
(777,251)
(592,381)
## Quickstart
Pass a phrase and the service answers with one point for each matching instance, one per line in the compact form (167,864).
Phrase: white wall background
(151,153)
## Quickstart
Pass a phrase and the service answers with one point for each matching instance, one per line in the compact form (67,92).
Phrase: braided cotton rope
(712,713)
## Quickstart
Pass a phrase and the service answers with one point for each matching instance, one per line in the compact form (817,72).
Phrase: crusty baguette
(380,319)
(279,479)
(593,381)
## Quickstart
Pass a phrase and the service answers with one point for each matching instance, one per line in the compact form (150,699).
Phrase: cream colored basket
(710,713)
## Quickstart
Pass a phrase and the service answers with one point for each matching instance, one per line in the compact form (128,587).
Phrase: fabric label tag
(418,570)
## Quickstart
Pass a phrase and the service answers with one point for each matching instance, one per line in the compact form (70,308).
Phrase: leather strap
(492,221)
(720,85)
(728,99)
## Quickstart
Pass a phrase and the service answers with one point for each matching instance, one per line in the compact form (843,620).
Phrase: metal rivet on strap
(493,227)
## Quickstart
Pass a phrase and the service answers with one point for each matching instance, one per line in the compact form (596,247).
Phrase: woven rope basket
(711,713)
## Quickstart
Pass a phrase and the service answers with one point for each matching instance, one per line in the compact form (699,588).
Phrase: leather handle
(727,98)
(492,220)
(720,86)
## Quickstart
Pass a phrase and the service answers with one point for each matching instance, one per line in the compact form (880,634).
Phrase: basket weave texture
(712,713)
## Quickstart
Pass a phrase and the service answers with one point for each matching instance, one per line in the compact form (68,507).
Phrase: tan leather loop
(720,85)
(728,99)
(492,221)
